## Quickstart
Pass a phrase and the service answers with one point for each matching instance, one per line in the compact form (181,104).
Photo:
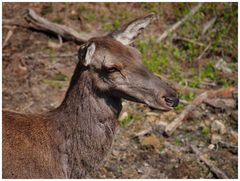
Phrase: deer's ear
(128,32)
(86,52)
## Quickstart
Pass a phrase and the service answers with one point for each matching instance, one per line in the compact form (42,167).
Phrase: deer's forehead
(115,52)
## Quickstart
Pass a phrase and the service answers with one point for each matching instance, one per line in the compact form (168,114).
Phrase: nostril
(172,101)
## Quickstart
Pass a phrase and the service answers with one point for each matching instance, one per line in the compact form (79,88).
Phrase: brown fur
(73,139)
(67,142)
(26,147)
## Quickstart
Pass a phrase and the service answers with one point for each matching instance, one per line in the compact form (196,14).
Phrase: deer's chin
(159,107)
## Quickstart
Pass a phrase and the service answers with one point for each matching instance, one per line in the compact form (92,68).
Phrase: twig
(184,102)
(204,51)
(141,133)
(60,40)
(219,173)
(227,145)
(209,83)
(177,38)
(176,25)
(199,59)
(8,36)
(41,24)
(40,55)
(224,93)
(208,25)
(54,45)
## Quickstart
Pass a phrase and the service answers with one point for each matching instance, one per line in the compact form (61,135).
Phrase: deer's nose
(172,101)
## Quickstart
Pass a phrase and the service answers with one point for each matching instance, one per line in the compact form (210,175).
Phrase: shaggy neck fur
(86,122)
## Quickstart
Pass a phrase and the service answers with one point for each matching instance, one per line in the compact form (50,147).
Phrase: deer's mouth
(163,104)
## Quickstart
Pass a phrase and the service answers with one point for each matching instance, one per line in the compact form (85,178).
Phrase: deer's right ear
(86,52)
(127,33)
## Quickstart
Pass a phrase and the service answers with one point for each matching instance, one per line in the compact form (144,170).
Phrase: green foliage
(179,107)
(53,83)
(87,13)
(176,74)
(57,20)
(51,53)
(57,82)
(177,53)
(128,119)
(46,9)
(82,9)
(226,82)
(188,96)
(135,140)
(90,18)
(205,131)
(116,24)
(209,72)
(194,82)
(151,7)
(60,77)
(178,142)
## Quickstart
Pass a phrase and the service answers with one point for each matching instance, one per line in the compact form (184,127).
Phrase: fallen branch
(41,55)
(204,52)
(221,93)
(8,36)
(222,104)
(34,21)
(219,173)
(176,25)
(184,102)
(227,145)
(199,59)
(178,38)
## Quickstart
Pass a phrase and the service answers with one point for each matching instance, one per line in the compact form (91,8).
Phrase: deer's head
(116,68)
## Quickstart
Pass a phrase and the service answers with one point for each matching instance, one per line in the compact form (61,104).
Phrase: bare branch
(8,36)
(208,25)
(203,53)
(178,38)
(32,20)
(224,93)
(219,173)
(176,25)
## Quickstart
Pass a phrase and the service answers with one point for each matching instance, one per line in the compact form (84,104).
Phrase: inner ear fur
(128,32)
(86,52)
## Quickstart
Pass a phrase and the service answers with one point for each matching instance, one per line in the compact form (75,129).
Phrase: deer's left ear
(86,52)
(128,32)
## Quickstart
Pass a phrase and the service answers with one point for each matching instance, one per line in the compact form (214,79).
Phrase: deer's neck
(86,122)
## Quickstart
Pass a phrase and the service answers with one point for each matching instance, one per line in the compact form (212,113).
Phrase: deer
(73,139)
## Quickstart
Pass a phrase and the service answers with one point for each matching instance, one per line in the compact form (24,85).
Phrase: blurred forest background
(198,56)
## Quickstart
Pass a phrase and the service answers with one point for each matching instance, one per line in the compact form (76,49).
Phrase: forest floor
(36,74)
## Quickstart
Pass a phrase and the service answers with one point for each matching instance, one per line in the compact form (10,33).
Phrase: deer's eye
(111,69)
